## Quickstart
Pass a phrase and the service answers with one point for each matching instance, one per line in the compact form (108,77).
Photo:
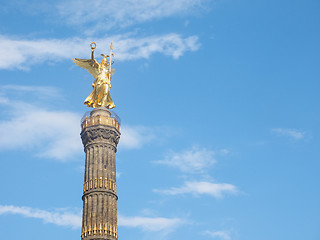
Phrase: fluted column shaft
(100,138)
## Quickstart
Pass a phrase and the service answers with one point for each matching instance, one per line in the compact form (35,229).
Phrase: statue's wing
(90,64)
(112,71)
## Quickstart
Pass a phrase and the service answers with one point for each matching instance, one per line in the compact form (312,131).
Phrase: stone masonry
(100,134)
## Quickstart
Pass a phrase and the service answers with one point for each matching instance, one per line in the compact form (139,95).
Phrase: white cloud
(292,133)
(21,54)
(73,220)
(106,14)
(41,91)
(66,219)
(224,151)
(56,133)
(195,160)
(222,235)
(152,224)
(100,15)
(4,100)
(53,134)
(217,190)
(134,137)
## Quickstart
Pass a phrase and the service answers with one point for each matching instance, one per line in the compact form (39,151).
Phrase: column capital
(100,133)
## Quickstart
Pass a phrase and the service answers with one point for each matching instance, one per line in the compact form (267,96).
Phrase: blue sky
(219,103)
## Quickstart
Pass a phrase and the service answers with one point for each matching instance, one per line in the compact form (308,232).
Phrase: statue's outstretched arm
(93,47)
(92,54)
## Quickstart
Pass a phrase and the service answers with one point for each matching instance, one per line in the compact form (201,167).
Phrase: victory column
(100,134)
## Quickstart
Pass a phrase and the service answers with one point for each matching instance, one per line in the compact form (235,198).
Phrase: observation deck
(100,116)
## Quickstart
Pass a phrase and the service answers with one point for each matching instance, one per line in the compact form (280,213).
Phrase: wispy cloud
(152,224)
(107,14)
(57,133)
(73,220)
(41,91)
(53,134)
(101,15)
(23,53)
(134,137)
(292,133)
(194,160)
(217,190)
(222,235)
(59,218)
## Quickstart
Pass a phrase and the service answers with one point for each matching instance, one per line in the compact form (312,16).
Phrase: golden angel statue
(100,95)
